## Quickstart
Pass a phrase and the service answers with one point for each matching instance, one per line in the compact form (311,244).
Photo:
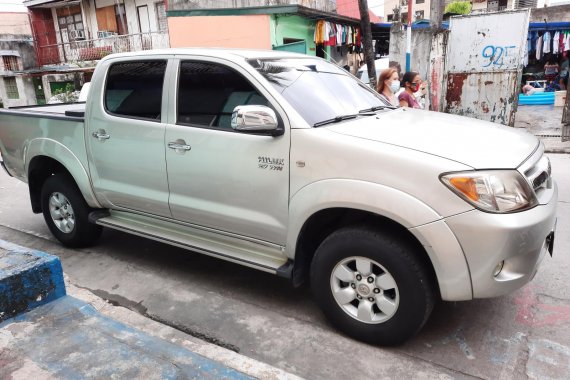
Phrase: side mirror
(255,119)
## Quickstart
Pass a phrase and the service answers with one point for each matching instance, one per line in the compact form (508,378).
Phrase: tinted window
(134,89)
(317,89)
(208,94)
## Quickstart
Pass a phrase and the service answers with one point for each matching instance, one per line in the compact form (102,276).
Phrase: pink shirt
(410,99)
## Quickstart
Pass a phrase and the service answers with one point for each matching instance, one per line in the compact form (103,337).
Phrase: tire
(372,286)
(66,212)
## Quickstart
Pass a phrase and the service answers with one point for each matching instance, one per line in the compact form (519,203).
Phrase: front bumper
(520,239)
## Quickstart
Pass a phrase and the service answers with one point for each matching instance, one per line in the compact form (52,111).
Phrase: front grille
(539,181)
(539,174)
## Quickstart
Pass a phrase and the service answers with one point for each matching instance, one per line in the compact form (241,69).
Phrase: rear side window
(209,92)
(134,89)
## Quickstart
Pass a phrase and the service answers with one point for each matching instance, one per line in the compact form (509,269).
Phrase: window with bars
(70,22)
(161,17)
(11,88)
(10,62)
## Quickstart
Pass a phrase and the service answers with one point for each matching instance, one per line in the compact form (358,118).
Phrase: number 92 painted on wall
(495,54)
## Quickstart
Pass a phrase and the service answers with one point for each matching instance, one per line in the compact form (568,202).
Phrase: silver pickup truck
(288,164)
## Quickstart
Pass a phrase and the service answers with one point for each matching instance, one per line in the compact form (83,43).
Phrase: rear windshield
(317,89)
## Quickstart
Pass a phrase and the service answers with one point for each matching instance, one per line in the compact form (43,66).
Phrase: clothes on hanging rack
(332,34)
(549,42)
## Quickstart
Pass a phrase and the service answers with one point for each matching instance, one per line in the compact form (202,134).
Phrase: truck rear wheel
(371,286)
(66,212)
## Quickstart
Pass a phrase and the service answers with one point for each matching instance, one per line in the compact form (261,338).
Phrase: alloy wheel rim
(61,212)
(364,290)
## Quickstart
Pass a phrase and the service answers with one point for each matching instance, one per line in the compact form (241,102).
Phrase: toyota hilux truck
(290,165)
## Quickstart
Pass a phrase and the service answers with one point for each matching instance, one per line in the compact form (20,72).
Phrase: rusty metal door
(484,63)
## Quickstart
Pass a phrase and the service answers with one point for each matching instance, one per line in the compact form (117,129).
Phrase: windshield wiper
(337,119)
(377,108)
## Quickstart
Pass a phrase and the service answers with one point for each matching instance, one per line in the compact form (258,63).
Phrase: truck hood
(476,143)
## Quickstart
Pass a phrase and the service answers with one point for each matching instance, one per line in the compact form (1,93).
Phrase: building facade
(87,30)
(421,8)
(16,56)
(60,41)
(288,25)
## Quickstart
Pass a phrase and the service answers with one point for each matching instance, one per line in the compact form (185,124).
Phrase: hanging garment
(331,41)
(533,37)
(319,32)
(561,42)
(539,48)
(567,42)
(546,40)
(338,34)
(555,43)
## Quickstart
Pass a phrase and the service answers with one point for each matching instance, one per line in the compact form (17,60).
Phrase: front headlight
(498,191)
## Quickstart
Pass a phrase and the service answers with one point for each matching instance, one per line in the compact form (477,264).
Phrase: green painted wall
(292,26)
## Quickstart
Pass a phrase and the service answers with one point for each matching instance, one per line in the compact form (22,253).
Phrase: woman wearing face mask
(388,84)
(412,84)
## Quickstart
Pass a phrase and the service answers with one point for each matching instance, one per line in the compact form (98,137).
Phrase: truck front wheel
(66,212)
(371,286)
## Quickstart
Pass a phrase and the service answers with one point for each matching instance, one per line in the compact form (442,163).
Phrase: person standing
(411,83)
(388,84)
(551,69)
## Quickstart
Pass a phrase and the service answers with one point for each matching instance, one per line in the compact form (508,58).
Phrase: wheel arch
(324,222)
(46,157)
(319,209)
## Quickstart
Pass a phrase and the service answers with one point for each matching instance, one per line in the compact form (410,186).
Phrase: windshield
(317,89)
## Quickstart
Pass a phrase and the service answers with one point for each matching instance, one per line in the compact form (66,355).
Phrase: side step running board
(263,256)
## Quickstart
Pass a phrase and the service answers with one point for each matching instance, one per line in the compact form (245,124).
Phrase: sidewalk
(545,122)
(81,336)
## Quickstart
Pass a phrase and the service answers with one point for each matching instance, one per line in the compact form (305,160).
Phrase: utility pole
(367,41)
(409,37)
(437,8)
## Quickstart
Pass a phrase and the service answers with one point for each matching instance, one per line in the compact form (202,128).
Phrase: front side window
(317,89)
(209,92)
(134,89)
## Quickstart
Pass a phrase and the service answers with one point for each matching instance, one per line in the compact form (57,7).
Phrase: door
(126,137)
(218,178)
(144,21)
(39,89)
(484,70)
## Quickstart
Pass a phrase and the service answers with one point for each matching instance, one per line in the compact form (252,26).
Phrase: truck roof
(212,52)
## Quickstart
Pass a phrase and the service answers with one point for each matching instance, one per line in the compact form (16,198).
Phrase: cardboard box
(559,98)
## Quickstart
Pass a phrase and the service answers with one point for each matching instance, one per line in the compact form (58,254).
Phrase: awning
(544,26)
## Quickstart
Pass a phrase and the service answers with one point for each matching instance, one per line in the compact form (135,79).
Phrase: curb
(28,279)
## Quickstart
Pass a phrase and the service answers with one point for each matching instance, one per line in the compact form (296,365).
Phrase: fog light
(498,268)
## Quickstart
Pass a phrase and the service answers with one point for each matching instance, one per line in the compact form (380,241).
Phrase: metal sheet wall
(484,64)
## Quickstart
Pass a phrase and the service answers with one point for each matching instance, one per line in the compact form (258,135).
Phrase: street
(522,335)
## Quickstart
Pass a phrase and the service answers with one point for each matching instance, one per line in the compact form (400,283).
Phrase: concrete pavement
(545,122)
(46,334)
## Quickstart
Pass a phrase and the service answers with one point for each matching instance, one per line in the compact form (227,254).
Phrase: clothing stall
(546,64)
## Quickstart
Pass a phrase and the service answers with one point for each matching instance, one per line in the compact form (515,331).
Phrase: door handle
(101,135)
(178,146)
